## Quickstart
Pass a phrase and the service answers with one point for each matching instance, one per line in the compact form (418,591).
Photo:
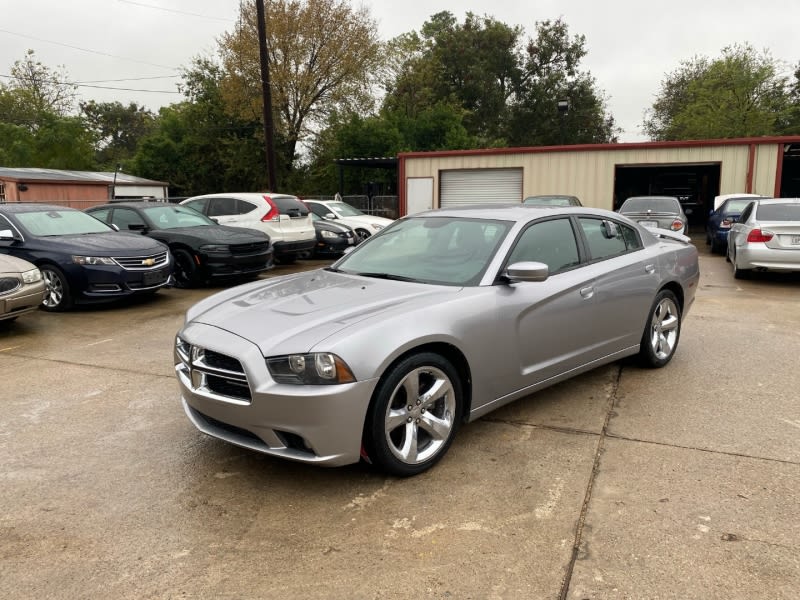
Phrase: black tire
(185,270)
(398,430)
(58,297)
(362,234)
(662,332)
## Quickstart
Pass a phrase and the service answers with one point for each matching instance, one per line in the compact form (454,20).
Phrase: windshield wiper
(390,276)
(332,270)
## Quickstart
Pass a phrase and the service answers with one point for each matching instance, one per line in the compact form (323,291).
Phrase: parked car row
(127,248)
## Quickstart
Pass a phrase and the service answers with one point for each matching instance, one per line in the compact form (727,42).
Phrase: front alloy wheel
(414,415)
(662,332)
(361,235)
(57,297)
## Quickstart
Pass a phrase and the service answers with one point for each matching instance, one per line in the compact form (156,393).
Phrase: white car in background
(283,217)
(334,210)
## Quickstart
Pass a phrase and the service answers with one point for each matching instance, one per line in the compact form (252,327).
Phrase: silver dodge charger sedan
(433,322)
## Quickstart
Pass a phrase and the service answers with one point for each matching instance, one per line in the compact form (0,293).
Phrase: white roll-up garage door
(480,186)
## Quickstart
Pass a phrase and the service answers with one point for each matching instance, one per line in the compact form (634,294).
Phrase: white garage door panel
(480,186)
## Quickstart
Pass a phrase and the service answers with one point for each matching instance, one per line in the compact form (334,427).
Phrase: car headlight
(329,234)
(377,227)
(319,368)
(32,276)
(214,248)
(93,260)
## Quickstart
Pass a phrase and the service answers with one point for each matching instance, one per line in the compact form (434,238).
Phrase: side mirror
(114,227)
(610,230)
(137,227)
(330,215)
(527,271)
(6,234)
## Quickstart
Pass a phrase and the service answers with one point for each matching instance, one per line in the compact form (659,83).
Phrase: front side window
(171,217)
(550,242)
(125,217)
(102,213)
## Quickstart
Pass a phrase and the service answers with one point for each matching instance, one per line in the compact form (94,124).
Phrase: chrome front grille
(211,372)
(143,263)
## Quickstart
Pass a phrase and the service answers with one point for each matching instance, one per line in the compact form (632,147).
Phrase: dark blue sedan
(81,259)
(722,217)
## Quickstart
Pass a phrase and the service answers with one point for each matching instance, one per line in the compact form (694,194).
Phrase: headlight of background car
(215,248)
(320,368)
(377,227)
(93,260)
(329,234)
(32,276)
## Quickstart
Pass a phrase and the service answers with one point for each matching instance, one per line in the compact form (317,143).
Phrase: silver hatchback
(766,237)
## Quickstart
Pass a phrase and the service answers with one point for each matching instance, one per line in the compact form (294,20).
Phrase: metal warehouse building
(603,175)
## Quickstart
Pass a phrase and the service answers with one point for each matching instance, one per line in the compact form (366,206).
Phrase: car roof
(513,211)
(652,198)
(23,207)
(777,200)
(133,204)
(242,195)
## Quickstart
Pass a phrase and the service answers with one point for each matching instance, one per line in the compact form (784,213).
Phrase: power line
(85,84)
(30,37)
(179,12)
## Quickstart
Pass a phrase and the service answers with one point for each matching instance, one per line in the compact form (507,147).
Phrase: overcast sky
(631,43)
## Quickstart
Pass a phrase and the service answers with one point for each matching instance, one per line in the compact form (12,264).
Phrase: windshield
(665,205)
(551,201)
(172,217)
(439,250)
(64,221)
(779,212)
(736,205)
(343,209)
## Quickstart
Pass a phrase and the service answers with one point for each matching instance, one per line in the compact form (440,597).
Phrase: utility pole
(266,92)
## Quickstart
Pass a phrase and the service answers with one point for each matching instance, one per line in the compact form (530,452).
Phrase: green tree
(40,89)
(117,130)
(198,146)
(323,57)
(740,94)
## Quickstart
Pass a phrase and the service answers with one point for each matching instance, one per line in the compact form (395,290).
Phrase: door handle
(650,269)
(587,292)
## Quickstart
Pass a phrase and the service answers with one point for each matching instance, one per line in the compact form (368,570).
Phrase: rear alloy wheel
(185,269)
(414,415)
(57,296)
(662,332)
(362,234)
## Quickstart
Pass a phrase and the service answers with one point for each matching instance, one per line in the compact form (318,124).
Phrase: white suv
(335,210)
(284,218)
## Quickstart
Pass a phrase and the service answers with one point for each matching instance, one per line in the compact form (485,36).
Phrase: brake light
(759,236)
(273,214)
(676,225)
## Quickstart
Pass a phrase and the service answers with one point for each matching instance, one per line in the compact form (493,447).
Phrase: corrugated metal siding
(479,186)
(590,174)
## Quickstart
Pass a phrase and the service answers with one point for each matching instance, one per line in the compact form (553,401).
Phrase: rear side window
(778,212)
(597,236)
(290,206)
(221,207)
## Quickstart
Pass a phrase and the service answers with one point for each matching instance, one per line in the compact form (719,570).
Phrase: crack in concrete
(80,364)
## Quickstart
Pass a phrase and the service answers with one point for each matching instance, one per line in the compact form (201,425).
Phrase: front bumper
(99,283)
(233,265)
(24,300)
(294,248)
(312,424)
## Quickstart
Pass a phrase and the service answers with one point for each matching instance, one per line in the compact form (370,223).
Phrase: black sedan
(81,259)
(332,238)
(203,249)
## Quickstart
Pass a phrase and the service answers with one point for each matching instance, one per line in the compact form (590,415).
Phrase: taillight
(759,236)
(273,214)
(676,225)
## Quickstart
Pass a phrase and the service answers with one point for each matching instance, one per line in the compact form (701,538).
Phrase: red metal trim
(401,187)
(751,161)
(779,172)
(606,147)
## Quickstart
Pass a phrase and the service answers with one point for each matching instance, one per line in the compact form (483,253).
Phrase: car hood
(293,314)
(332,226)
(214,234)
(102,244)
(12,264)
(365,221)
